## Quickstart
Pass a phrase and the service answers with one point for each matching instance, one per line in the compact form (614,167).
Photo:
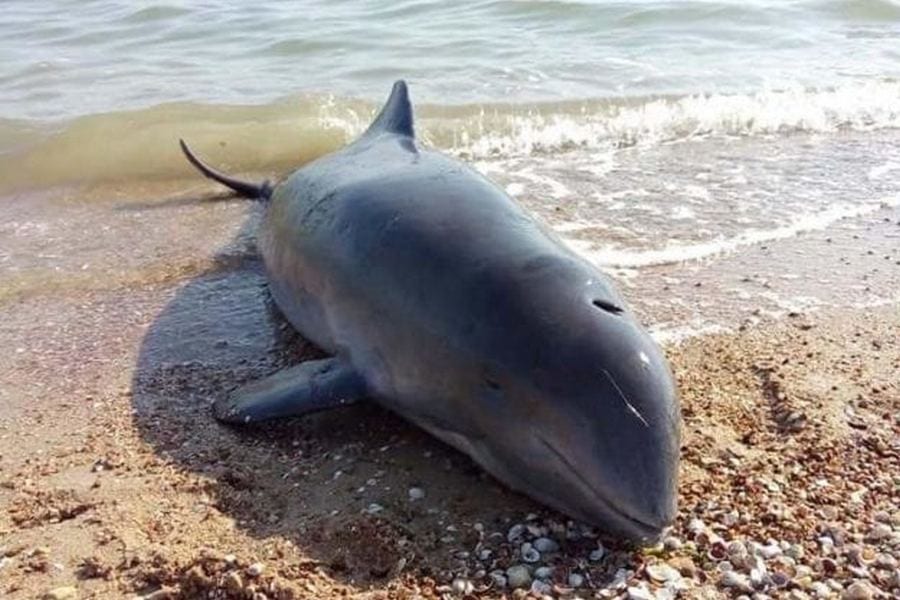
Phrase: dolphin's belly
(296,285)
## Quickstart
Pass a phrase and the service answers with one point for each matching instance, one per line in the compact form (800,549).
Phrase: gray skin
(442,300)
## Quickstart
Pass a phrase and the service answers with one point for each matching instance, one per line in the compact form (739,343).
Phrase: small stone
(61,593)
(529,553)
(518,576)
(416,493)
(758,576)
(540,588)
(597,554)
(256,569)
(684,564)
(576,580)
(885,561)
(374,508)
(879,532)
(639,593)
(779,579)
(666,593)
(820,590)
(498,578)
(545,544)
(735,580)
(515,532)
(858,590)
(661,573)
(672,543)
(484,554)
(770,551)
(462,587)
(543,572)
(795,551)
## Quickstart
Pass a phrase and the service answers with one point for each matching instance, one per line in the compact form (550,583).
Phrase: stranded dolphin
(442,300)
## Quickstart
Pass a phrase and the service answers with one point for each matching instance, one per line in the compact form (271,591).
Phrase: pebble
(639,593)
(696,526)
(529,554)
(576,580)
(543,572)
(662,572)
(770,551)
(758,577)
(540,588)
(61,593)
(879,532)
(416,493)
(518,576)
(545,544)
(733,579)
(597,554)
(515,532)
(684,564)
(256,569)
(499,578)
(374,508)
(858,590)
(672,543)
(462,587)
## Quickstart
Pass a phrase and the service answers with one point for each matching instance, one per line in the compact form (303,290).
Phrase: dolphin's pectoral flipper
(307,387)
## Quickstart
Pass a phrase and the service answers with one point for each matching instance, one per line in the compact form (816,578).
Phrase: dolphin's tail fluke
(254,191)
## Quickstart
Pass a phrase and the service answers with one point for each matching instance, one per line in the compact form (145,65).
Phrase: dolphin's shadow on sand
(315,481)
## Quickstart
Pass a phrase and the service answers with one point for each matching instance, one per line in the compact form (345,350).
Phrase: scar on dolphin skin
(414,264)
(625,400)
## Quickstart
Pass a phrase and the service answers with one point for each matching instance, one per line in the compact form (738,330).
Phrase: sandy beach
(115,481)
(734,167)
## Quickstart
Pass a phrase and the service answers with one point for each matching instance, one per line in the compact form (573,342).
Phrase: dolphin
(440,298)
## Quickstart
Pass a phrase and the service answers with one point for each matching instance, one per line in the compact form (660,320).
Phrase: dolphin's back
(385,250)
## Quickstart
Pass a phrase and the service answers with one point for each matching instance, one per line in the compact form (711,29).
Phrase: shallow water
(63,59)
(648,133)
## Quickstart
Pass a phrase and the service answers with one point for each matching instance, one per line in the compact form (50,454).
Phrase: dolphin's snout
(636,504)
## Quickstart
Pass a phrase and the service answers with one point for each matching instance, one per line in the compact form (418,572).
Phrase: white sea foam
(679,252)
(857,106)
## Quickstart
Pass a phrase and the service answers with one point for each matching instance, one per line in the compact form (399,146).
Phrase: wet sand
(126,311)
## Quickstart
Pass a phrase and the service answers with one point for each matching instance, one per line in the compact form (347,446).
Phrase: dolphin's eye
(608,307)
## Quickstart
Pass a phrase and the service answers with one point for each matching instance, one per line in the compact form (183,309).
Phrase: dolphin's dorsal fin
(397,115)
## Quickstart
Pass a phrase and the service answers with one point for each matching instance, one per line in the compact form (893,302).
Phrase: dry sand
(116,482)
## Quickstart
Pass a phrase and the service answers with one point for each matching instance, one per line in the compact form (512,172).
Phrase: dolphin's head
(584,416)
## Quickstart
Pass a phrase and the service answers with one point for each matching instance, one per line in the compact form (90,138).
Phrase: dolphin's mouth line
(638,523)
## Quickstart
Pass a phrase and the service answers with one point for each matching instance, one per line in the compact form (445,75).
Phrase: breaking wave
(278,136)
